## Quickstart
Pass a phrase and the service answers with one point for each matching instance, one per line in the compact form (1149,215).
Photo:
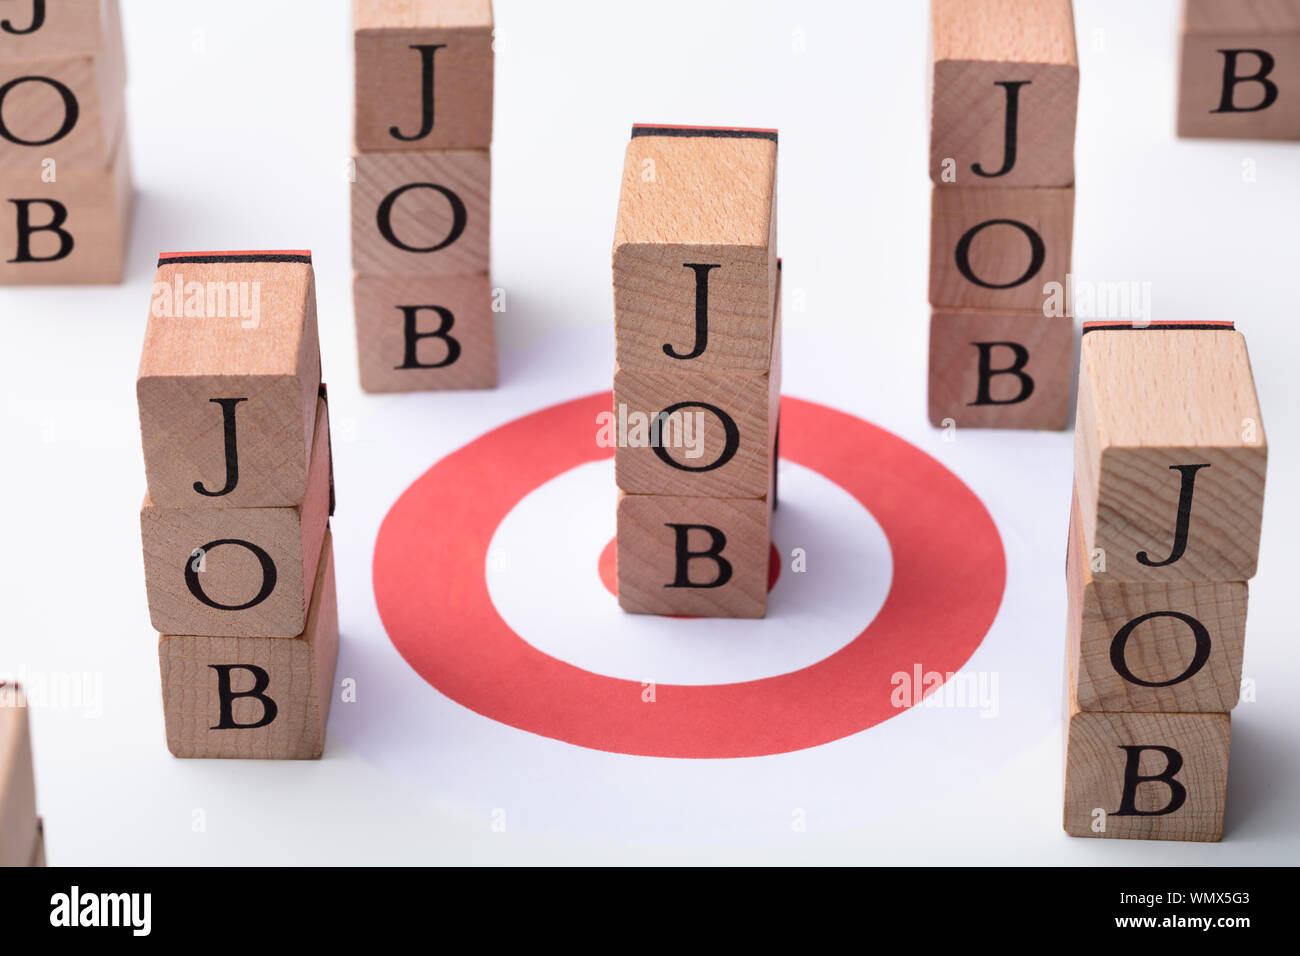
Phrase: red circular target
(432,594)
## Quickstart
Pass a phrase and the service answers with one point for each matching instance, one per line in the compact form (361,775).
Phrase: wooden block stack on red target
(65,171)
(697,385)
(425,309)
(1004,93)
(1170,457)
(238,558)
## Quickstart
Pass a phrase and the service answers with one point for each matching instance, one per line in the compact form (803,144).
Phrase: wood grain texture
(1201,87)
(1150,399)
(751,402)
(1241,16)
(17,782)
(68,28)
(37,117)
(1096,761)
(382,346)
(976,44)
(299,679)
(414,187)
(390,92)
(704,200)
(1158,650)
(647,555)
(955,392)
(93,211)
(232,575)
(1001,254)
(273,361)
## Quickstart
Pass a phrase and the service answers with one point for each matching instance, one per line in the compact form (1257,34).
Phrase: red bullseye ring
(432,594)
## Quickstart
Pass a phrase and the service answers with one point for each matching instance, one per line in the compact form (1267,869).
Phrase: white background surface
(239,125)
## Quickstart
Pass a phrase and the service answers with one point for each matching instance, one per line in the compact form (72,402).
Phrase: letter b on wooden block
(1005,91)
(425,333)
(1000,369)
(254,697)
(1240,85)
(704,557)
(695,250)
(1146,776)
(1170,453)
(423,74)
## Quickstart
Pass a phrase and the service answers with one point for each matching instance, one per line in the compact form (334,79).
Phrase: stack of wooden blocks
(65,173)
(22,835)
(420,200)
(238,559)
(1239,73)
(1004,94)
(1164,534)
(697,319)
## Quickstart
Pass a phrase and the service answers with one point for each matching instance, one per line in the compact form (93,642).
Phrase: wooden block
(35,29)
(1170,452)
(1241,16)
(423,71)
(416,334)
(703,557)
(695,250)
(998,248)
(254,697)
(72,230)
(61,112)
(228,394)
(1000,369)
(238,572)
(38,846)
(1004,92)
(1239,86)
(1145,776)
(422,214)
(1152,647)
(17,782)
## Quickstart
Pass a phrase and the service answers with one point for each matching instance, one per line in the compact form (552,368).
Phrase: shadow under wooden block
(17,783)
(422,213)
(62,111)
(254,697)
(38,846)
(1170,453)
(998,248)
(703,557)
(695,250)
(1152,647)
(70,231)
(229,379)
(40,28)
(1241,16)
(423,75)
(1000,369)
(237,572)
(1004,92)
(418,334)
(1239,86)
(1132,776)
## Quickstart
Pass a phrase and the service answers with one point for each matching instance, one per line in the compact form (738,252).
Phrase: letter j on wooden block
(229,379)
(1005,89)
(254,697)
(1170,453)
